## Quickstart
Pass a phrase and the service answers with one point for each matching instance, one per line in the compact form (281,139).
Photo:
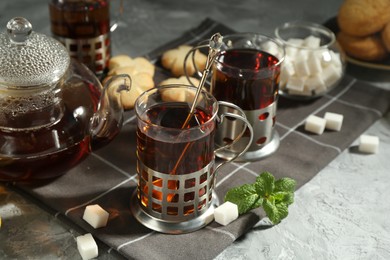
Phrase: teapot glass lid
(28,58)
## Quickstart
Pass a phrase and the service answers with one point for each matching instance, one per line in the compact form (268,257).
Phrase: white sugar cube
(226,213)
(312,41)
(296,83)
(326,57)
(297,42)
(301,67)
(291,52)
(331,74)
(336,59)
(333,121)
(319,53)
(320,90)
(315,82)
(314,63)
(87,246)
(288,68)
(270,47)
(303,54)
(304,92)
(369,144)
(315,124)
(95,216)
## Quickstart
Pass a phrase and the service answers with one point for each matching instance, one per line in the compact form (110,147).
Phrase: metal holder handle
(241,117)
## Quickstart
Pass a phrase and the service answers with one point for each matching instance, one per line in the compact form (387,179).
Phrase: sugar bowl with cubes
(314,63)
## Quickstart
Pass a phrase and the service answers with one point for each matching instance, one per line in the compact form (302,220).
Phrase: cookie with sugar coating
(183,95)
(120,61)
(142,64)
(143,79)
(137,65)
(127,98)
(178,95)
(181,80)
(363,17)
(368,48)
(173,60)
(130,70)
(141,72)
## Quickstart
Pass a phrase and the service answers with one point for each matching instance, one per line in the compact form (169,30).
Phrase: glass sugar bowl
(314,63)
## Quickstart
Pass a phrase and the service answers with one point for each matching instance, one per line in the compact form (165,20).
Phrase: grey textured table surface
(340,214)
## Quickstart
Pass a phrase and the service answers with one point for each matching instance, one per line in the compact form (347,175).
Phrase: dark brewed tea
(185,152)
(83,26)
(46,152)
(152,151)
(246,77)
(77,19)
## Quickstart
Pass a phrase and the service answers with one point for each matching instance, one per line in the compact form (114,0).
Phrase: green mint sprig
(273,196)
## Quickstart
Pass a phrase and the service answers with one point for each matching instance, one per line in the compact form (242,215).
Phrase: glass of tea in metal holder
(83,26)
(246,72)
(175,157)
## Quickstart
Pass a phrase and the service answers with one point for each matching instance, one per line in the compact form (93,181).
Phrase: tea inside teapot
(52,114)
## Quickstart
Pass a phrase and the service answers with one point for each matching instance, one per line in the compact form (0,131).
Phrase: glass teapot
(53,110)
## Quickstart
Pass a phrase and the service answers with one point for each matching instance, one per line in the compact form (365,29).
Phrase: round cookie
(141,72)
(363,17)
(120,61)
(143,79)
(174,94)
(128,98)
(141,64)
(173,60)
(181,80)
(177,95)
(369,48)
(385,34)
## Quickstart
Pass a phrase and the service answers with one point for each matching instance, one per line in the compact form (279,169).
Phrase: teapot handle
(107,121)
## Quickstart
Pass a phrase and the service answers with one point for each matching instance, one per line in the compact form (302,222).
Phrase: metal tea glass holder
(266,139)
(182,203)
(169,216)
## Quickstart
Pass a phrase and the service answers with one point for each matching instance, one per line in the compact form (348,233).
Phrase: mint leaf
(282,211)
(275,212)
(273,196)
(271,211)
(266,183)
(285,184)
(245,197)
(284,197)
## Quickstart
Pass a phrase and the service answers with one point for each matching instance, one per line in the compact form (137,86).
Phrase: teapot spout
(107,121)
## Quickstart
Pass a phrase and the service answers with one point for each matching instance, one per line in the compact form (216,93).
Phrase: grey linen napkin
(108,176)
